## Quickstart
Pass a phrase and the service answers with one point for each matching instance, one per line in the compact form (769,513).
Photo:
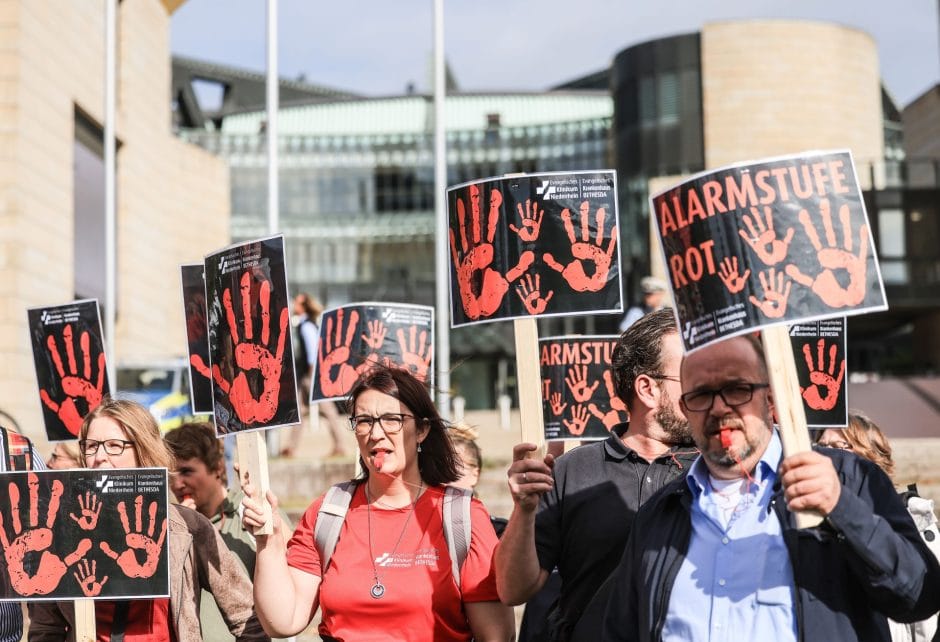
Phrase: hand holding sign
(36,539)
(584,252)
(74,385)
(138,542)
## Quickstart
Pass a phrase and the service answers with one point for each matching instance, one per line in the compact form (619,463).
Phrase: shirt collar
(766,468)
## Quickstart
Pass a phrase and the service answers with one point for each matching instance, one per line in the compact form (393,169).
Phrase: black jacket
(865,562)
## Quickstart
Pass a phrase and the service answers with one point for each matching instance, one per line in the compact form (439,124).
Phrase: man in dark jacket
(717,555)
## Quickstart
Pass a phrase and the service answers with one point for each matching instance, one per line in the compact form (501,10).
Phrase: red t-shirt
(421,600)
(147,621)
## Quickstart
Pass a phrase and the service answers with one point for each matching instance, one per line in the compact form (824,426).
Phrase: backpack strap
(18,449)
(457,527)
(330,520)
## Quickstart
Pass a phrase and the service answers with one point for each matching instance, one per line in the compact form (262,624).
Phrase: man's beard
(673,424)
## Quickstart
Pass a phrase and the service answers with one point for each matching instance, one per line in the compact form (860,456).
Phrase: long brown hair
(868,441)
(141,428)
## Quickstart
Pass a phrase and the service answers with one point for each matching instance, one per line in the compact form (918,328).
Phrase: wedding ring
(525,477)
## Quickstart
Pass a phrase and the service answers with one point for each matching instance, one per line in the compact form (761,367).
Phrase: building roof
(414,114)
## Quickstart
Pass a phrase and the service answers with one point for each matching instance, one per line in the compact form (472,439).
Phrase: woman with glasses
(123,434)
(390,574)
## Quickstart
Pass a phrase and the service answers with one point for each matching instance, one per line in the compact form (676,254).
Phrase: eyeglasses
(391,422)
(733,394)
(666,377)
(112,447)
(841,445)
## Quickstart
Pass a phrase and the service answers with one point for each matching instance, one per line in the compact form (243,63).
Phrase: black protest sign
(250,350)
(783,240)
(534,245)
(71,534)
(68,352)
(578,396)
(819,350)
(197,336)
(357,336)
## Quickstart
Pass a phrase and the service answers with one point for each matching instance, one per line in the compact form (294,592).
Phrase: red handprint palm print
(137,541)
(89,509)
(833,259)
(577,382)
(763,239)
(481,287)
(529,290)
(821,378)
(250,356)
(585,252)
(36,539)
(612,417)
(76,386)
(336,374)
(579,419)
(85,574)
(415,351)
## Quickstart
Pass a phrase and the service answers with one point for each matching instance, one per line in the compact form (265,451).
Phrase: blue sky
(377,47)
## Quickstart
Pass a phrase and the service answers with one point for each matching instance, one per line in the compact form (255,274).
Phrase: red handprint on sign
(822,378)
(74,386)
(36,539)
(334,356)
(612,417)
(557,406)
(529,290)
(776,293)
(579,419)
(763,239)
(376,336)
(832,258)
(138,542)
(585,252)
(415,351)
(728,273)
(531,221)
(89,509)
(85,575)
(577,381)
(481,287)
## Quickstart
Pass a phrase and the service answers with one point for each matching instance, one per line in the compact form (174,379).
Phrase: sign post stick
(528,380)
(791,417)
(85,630)
(253,463)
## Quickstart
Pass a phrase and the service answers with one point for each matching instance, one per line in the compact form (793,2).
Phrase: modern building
(172,197)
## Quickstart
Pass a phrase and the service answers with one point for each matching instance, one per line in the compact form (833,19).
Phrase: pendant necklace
(378,589)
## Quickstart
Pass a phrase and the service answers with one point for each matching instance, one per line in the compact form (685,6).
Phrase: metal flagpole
(442,263)
(110,205)
(271,129)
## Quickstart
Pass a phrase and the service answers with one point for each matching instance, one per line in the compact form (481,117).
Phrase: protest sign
(574,403)
(250,351)
(777,241)
(69,356)
(819,352)
(197,336)
(534,245)
(356,336)
(71,534)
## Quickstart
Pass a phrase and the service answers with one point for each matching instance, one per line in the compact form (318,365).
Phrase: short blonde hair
(141,428)
(868,441)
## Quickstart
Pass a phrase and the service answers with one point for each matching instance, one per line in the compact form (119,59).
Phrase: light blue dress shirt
(736,582)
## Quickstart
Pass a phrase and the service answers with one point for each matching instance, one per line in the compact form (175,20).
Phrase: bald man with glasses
(717,555)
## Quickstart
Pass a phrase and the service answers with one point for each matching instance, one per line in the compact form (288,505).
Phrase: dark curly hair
(437,461)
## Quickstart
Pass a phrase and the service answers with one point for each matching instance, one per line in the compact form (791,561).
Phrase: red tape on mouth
(379,460)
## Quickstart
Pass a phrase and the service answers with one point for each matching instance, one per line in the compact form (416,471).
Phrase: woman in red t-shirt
(390,576)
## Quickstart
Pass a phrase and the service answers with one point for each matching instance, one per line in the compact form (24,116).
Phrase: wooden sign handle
(85,628)
(528,381)
(788,402)
(252,452)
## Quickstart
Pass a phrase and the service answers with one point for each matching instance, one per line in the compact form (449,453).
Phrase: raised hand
(376,337)
(584,252)
(728,273)
(579,419)
(334,355)
(557,406)
(822,378)
(84,574)
(763,239)
(415,351)
(776,292)
(531,221)
(577,381)
(252,356)
(833,258)
(36,539)
(75,386)
(138,542)
(481,287)
(89,509)
(529,290)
